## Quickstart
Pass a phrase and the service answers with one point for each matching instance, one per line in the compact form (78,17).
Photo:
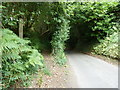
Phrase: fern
(19,60)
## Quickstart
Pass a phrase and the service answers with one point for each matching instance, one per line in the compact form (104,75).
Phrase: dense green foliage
(91,22)
(59,38)
(60,35)
(41,23)
(109,46)
(19,60)
(38,21)
(15,10)
(49,27)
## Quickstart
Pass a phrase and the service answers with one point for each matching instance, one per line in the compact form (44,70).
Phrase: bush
(108,46)
(19,60)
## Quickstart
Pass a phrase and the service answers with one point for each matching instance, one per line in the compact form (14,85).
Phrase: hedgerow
(109,46)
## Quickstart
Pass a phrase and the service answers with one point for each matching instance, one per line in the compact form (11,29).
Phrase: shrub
(108,46)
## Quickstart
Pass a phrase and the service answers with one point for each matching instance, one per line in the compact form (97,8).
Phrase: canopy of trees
(54,27)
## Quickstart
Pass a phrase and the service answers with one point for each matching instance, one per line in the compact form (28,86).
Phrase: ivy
(60,36)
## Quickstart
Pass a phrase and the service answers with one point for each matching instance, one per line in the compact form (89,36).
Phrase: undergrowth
(19,60)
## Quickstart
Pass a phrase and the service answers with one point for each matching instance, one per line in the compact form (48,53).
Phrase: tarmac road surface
(92,72)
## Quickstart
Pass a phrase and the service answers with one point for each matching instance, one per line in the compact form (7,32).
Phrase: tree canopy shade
(91,22)
(54,27)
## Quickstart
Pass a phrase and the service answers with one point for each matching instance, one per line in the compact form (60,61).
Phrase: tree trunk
(21,28)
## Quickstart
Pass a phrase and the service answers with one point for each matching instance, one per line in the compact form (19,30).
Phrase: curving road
(92,72)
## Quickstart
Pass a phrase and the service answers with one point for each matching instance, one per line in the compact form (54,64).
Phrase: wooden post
(21,28)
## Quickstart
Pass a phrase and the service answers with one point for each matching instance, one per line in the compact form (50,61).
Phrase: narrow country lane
(92,72)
